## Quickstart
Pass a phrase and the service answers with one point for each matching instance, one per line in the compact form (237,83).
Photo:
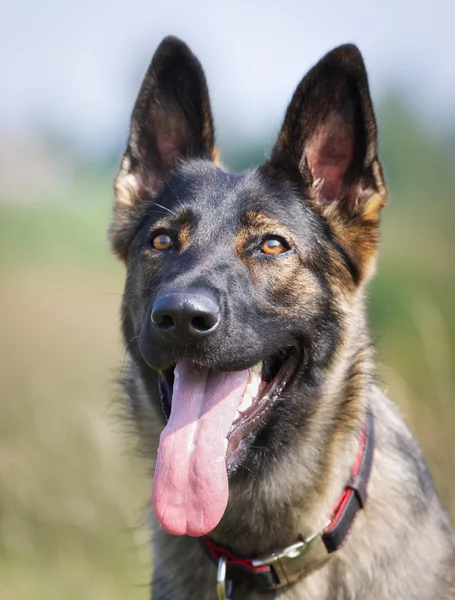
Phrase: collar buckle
(291,552)
(288,563)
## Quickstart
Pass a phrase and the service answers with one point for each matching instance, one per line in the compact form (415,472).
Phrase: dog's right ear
(171,121)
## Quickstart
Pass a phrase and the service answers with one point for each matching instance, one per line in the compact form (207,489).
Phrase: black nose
(182,315)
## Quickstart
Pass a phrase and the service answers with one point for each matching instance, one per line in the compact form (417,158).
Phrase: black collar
(283,567)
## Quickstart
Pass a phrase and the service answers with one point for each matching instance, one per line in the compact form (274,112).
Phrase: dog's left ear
(171,121)
(328,146)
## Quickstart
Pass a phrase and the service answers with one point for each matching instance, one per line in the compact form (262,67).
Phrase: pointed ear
(328,147)
(329,136)
(171,121)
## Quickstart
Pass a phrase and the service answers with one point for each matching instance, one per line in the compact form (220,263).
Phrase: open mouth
(266,381)
(209,413)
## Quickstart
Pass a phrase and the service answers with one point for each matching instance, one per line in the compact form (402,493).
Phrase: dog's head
(239,285)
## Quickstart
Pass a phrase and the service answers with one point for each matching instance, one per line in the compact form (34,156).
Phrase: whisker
(165,208)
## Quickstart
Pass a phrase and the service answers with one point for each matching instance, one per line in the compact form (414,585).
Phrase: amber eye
(162,242)
(274,246)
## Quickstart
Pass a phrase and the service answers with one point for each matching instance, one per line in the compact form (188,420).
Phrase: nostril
(200,324)
(163,321)
(203,323)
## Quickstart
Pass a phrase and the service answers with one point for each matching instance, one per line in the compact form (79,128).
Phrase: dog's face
(239,286)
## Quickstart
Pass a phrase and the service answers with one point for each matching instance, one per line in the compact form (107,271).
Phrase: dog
(281,469)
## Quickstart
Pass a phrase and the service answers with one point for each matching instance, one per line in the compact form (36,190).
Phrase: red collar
(284,567)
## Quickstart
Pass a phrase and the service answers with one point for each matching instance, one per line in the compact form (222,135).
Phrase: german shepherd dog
(251,376)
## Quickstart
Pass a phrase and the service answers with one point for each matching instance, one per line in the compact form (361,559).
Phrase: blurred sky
(76,65)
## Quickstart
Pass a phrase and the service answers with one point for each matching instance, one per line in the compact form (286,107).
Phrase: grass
(74,496)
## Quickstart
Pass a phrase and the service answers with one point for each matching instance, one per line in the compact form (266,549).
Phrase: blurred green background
(74,495)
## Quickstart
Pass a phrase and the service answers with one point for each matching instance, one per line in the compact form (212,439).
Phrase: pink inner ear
(168,149)
(329,154)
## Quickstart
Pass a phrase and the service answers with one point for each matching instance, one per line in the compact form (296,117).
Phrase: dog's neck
(292,496)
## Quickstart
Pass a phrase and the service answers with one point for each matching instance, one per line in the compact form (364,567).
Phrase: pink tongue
(190,488)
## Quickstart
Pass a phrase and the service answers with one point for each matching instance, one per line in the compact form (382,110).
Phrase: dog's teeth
(257,368)
(249,396)
(246,403)
(252,388)
(249,390)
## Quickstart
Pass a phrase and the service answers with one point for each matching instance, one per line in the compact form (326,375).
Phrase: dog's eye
(162,241)
(274,245)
